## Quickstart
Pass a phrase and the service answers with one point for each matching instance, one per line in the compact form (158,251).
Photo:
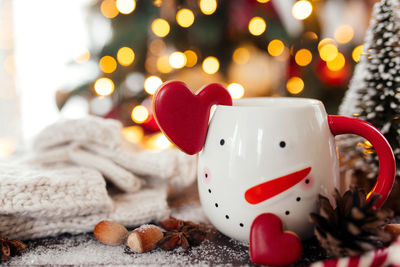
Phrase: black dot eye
(222,142)
(282,144)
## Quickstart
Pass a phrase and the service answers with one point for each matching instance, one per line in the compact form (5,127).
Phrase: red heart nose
(183,116)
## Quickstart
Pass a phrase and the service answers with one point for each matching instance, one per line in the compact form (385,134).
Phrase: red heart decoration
(269,245)
(183,116)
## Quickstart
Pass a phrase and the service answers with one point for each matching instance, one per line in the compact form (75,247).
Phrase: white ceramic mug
(272,155)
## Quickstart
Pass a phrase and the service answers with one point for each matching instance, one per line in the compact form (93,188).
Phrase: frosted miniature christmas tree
(374,93)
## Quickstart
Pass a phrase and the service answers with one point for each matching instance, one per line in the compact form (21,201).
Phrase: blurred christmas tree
(255,48)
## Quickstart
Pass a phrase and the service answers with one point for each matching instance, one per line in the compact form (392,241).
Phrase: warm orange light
(295,85)
(126,6)
(241,55)
(160,27)
(357,53)
(344,34)
(104,86)
(210,65)
(139,114)
(276,48)
(235,90)
(337,63)
(257,26)
(208,6)
(302,9)
(157,47)
(328,52)
(324,42)
(303,57)
(125,56)
(263,1)
(133,134)
(163,65)
(177,60)
(107,64)
(185,17)
(109,9)
(84,57)
(191,58)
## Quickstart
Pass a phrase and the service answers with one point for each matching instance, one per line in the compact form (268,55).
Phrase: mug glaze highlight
(271,155)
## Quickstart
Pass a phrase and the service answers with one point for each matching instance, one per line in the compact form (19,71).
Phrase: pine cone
(352,227)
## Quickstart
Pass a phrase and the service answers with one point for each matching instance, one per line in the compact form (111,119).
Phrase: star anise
(9,248)
(180,234)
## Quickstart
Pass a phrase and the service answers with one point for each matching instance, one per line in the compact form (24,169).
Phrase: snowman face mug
(262,155)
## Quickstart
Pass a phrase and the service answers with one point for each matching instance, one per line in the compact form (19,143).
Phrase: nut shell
(144,238)
(110,233)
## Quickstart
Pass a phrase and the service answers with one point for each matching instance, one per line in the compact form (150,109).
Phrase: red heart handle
(183,116)
(269,245)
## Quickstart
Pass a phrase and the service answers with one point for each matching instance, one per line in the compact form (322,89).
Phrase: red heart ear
(183,116)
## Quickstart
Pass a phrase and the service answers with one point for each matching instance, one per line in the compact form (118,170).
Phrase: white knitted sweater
(61,186)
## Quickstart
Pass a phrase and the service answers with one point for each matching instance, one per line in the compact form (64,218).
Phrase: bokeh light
(125,56)
(295,85)
(357,53)
(185,17)
(324,42)
(191,58)
(337,63)
(328,52)
(303,57)
(210,65)
(344,34)
(151,84)
(126,6)
(133,134)
(263,1)
(139,114)
(109,9)
(83,57)
(157,47)
(235,90)
(208,6)
(302,9)
(107,64)
(241,55)
(276,47)
(160,27)
(162,141)
(257,26)
(163,65)
(177,60)
(7,146)
(104,86)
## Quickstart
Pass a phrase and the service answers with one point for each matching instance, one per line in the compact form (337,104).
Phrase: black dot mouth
(287,212)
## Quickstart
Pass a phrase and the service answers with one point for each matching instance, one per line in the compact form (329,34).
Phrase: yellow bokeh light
(133,134)
(357,53)
(125,56)
(295,85)
(8,146)
(344,34)
(109,9)
(303,57)
(84,57)
(162,141)
(208,6)
(104,86)
(107,64)
(191,58)
(241,55)
(263,1)
(302,9)
(151,84)
(257,26)
(139,114)
(328,52)
(337,63)
(126,6)
(185,17)
(177,60)
(324,42)
(210,65)
(276,48)
(235,90)
(163,65)
(160,27)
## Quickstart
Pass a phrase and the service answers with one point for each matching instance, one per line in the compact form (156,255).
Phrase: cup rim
(274,102)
